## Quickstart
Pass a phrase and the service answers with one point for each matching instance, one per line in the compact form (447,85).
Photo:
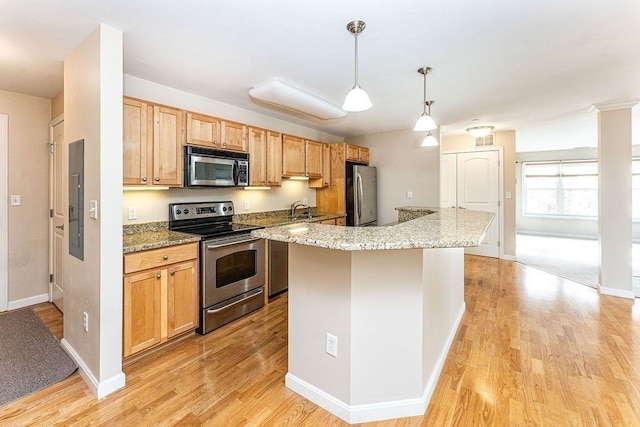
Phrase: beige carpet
(31,357)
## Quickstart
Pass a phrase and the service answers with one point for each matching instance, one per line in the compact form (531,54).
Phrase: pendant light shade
(429,141)
(425,121)
(480,131)
(357,99)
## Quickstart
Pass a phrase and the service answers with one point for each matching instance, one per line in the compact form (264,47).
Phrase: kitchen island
(373,310)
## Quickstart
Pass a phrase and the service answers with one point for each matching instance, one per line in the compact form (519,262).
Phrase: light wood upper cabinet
(233,136)
(293,158)
(265,155)
(160,296)
(301,157)
(152,144)
(325,179)
(274,158)
(136,149)
(313,158)
(168,126)
(355,153)
(203,130)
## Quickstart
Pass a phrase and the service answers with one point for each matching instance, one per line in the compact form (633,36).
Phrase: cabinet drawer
(159,257)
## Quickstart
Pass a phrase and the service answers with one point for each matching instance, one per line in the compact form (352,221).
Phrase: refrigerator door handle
(359,196)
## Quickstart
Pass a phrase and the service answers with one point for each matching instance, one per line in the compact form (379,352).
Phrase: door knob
(61,227)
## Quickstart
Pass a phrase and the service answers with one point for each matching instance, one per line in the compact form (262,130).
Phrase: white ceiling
(535,67)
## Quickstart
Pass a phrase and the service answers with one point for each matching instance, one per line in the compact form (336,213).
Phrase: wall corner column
(614,198)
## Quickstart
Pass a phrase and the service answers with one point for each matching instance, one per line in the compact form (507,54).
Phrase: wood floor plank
(532,349)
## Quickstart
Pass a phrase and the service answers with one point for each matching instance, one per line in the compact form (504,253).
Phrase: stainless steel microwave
(206,167)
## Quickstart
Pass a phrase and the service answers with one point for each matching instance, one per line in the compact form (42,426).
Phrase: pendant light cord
(424,98)
(356,57)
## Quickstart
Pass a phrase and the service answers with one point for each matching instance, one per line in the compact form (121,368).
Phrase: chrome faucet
(298,204)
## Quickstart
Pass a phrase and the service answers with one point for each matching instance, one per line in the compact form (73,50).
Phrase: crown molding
(613,105)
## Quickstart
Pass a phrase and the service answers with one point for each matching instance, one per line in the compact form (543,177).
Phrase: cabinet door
(136,148)
(293,160)
(274,158)
(203,130)
(167,146)
(233,136)
(352,153)
(257,156)
(313,159)
(142,311)
(182,298)
(363,155)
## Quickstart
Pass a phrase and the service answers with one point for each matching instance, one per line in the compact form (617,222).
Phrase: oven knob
(224,209)
(186,211)
(178,211)
(230,208)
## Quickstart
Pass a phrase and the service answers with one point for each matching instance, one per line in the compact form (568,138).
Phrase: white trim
(99,389)
(377,411)
(25,302)
(4,213)
(615,292)
(508,257)
(613,105)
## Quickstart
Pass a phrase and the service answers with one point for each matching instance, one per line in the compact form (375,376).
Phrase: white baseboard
(354,414)
(99,389)
(614,292)
(508,257)
(25,302)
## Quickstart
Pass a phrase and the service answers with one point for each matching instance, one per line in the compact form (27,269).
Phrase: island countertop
(445,228)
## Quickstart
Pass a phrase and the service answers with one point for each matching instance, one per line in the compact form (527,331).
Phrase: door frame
(500,151)
(4,212)
(54,122)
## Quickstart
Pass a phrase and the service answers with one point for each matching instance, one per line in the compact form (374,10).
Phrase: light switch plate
(93,209)
(15,200)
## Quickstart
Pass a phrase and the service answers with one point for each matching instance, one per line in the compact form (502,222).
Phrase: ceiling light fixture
(480,131)
(425,121)
(357,99)
(429,141)
(283,95)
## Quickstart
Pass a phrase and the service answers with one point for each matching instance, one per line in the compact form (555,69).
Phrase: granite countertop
(446,228)
(142,237)
(278,220)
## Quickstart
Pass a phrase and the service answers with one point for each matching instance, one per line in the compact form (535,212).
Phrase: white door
(479,189)
(57,210)
(448,180)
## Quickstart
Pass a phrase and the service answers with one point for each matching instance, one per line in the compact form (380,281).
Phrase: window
(562,188)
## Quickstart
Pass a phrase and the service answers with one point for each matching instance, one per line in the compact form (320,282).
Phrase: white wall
(402,165)
(28,176)
(93,112)
(153,205)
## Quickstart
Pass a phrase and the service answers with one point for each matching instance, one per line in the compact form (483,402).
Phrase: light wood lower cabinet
(160,296)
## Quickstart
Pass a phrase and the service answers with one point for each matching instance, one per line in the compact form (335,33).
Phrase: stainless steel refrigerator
(361,195)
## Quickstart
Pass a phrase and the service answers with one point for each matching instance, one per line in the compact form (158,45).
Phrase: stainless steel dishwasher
(278,267)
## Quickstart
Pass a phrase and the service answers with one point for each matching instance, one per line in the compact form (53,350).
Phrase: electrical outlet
(85,321)
(332,345)
(409,194)
(305,201)
(132,213)
(246,205)
(508,194)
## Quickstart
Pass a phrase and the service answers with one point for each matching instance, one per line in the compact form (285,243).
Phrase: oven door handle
(221,245)
(217,310)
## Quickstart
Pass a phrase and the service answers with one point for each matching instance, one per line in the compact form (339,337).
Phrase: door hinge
(51,278)
(52,147)
(498,202)
(50,213)
(498,243)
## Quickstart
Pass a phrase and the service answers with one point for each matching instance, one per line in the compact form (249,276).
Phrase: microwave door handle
(235,172)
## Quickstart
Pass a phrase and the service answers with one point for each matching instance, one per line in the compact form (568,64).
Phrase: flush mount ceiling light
(357,99)
(425,121)
(283,95)
(429,141)
(480,131)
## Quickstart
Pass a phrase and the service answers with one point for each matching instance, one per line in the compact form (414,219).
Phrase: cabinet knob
(144,179)
(224,144)
(172,273)
(157,179)
(215,142)
(158,276)
(166,257)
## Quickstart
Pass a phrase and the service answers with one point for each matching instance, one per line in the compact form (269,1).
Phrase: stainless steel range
(232,263)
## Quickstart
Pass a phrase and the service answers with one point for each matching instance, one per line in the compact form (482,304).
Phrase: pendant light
(425,121)
(429,141)
(357,99)
(480,131)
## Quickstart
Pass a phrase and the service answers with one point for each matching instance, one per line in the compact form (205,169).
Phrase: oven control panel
(184,211)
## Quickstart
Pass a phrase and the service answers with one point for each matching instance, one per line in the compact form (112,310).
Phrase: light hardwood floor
(533,349)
